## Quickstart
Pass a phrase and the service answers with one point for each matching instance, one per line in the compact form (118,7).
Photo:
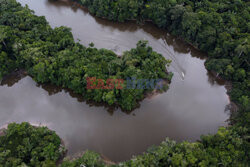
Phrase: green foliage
(220,28)
(89,159)
(51,56)
(225,148)
(119,10)
(6,64)
(25,145)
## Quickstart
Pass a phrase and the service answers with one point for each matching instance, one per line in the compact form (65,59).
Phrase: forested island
(51,56)
(219,28)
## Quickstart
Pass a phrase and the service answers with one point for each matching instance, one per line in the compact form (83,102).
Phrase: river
(195,104)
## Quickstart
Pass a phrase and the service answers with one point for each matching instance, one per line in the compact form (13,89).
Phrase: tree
(25,145)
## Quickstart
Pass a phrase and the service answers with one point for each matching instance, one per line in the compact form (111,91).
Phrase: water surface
(195,103)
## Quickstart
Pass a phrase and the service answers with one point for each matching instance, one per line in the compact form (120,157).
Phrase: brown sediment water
(195,104)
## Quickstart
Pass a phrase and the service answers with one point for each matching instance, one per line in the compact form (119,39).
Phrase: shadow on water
(14,77)
(195,104)
(178,46)
(131,26)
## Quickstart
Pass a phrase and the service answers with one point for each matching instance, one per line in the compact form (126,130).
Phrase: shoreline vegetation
(227,42)
(29,145)
(52,56)
(27,41)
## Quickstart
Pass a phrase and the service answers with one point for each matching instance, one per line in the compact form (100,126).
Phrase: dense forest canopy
(218,27)
(23,144)
(51,56)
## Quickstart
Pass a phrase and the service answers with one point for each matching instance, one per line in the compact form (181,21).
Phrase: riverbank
(58,62)
(156,157)
(221,65)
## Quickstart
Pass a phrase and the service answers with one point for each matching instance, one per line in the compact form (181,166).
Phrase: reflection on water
(195,103)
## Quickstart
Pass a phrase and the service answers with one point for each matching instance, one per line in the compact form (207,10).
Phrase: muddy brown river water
(195,104)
